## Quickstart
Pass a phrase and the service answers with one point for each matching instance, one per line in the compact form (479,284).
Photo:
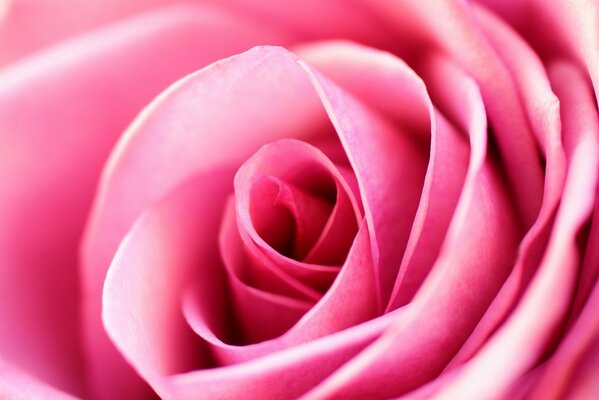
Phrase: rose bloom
(282,199)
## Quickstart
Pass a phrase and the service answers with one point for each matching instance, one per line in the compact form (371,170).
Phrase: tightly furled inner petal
(296,219)
(288,218)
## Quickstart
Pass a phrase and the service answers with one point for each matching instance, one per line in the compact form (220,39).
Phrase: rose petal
(166,250)
(557,376)
(387,85)
(27,26)
(310,169)
(348,302)
(60,114)
(521,340)
(264,306)
(442,314)
(450,25)
(542,108)
(255,79)
(282,374)
(389,164)
(314,19)
(143,160)
(590,267)
(17,385)
(170,245)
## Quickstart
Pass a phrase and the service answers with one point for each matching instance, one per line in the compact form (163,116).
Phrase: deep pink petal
(348,302)
(265,301)
(308,172)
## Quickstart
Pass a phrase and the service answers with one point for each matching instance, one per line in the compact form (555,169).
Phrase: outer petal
(568,360)
(542,108)
(387,85)
(443,313)
(29,25)
(17,385)
(186,131)
(521,340)
(389,163)
(171,245)
(450,25)
(60,114)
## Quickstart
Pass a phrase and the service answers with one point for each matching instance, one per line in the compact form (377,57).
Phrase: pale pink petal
(557,29)
(315,19)
(29,25)
(386,84)
(443,312)
(172,244)
(590,268)
(445,175)
(60,114)
(476,256)
(169,126)
(520,342)
(282,374)
(17,385)
(264,315)
(184,132)
(348,302)
(171,247)
(389,163)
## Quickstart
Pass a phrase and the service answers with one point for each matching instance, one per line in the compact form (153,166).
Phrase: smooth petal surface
(450,25)
(60,115)
(542,108)
(17,385)
(521,340)
(387,85)
(255,77)
(558,376)
(389,164)
(171,125)
(171,245)
(27,26)
(442,314)
(264,307)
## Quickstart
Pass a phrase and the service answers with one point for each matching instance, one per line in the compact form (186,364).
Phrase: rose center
(291,219)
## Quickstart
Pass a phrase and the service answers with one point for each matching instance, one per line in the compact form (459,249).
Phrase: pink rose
(318,199)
